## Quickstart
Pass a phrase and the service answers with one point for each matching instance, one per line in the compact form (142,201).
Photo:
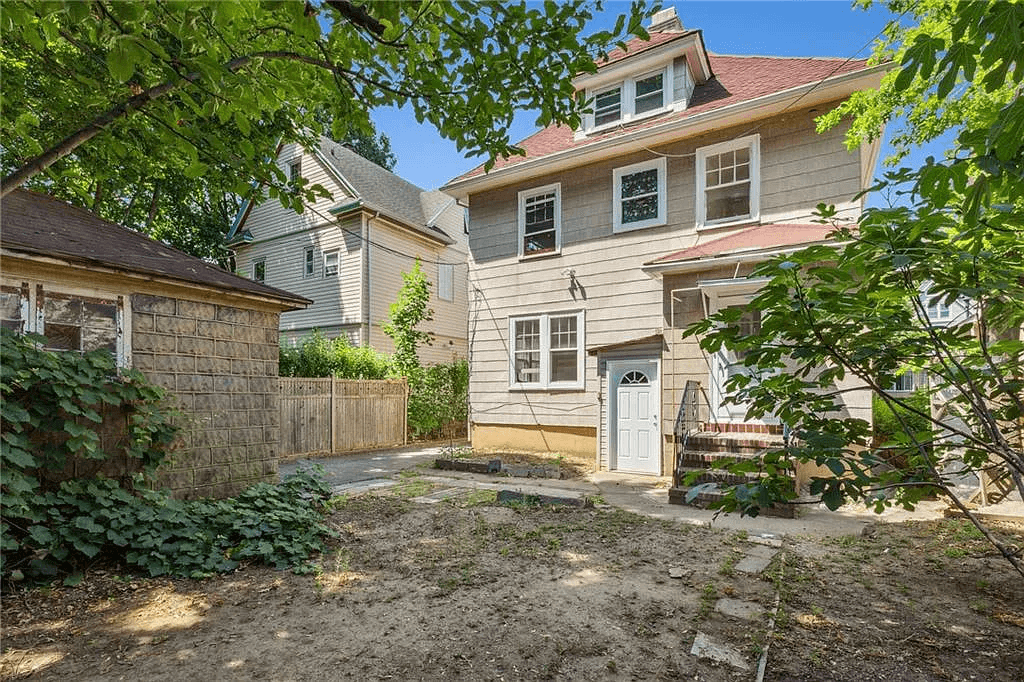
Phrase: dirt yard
(475,591)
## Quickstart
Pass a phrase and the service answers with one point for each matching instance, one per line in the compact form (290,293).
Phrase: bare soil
(470,590)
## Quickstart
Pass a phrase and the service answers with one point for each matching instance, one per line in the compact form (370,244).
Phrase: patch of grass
(480,498)
(412,487)
(728,567)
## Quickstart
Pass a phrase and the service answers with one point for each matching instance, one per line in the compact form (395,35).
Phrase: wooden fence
(324,416)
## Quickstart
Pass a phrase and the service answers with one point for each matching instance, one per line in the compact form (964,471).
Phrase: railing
(325,416)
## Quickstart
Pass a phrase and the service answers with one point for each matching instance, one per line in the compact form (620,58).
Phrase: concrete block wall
(220,363)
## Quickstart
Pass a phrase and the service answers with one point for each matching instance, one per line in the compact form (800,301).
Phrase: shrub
(318,356)
(52,525)
(438,400)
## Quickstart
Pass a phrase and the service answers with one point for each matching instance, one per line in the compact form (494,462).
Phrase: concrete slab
(753,564)
(705,647)
(440,495)
(357,487)
(737,608)
(760,551)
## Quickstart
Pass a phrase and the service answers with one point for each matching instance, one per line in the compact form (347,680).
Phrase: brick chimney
(665,21)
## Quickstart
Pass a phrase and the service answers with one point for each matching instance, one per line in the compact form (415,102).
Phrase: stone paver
(359,487)
(753,564)
(705,647)
(737,608)
(441,495)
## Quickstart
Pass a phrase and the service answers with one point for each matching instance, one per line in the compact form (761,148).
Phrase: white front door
(635,431)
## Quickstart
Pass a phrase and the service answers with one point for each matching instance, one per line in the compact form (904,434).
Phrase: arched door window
(634,378)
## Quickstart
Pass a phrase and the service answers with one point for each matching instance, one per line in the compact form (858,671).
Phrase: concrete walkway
(645,495)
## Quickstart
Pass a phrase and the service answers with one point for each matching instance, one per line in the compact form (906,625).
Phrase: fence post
(334,417)
(405,412)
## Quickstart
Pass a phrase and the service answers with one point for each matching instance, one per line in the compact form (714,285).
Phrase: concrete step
(720,476)
(744,443)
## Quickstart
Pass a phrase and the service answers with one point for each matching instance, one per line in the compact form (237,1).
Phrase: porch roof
(643,341)
(750,241)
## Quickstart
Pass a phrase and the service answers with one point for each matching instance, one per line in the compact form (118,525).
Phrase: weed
(728,567)
(978,605)
(480,497)
(707,600)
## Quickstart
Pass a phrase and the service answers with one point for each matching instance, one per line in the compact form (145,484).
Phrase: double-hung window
(295,170)
(639,197)
(540,220)
(259,270)
(728,181)
(608,106)
(649,93)
(331,264)
(546,351)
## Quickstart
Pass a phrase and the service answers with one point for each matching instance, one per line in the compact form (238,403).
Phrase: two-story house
(591,253)
(347,252)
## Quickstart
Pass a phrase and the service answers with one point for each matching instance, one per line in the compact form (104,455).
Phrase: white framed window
(728,181)
(540,220)
(908,382)
(446,281)
(546,351)
(608,106)
(259,270)
(295,170)
(308,262)
(331,260)
(630,98)
(638,196)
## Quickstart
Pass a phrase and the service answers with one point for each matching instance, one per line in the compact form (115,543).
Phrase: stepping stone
(737,608)
(705,647)
(766,539)
(363,486)
(439,495)
(753,564)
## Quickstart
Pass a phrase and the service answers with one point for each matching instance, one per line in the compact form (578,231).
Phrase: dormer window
(608,106)
(631,98)
(650,93)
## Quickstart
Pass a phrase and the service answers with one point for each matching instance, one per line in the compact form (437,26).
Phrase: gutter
(675,129)
(679,267)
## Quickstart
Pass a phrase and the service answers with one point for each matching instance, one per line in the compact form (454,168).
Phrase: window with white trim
(728,181)
(295,170)
(540,220)
(546,351)
(259,270)
(630,98)
(446,281)
(308,263)
(331,260)
(639,197)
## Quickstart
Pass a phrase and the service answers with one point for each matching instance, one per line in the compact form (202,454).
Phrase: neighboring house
(592,252)
(348,252)
(209,337)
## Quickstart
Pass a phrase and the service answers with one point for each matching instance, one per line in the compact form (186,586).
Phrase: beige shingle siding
(798,170)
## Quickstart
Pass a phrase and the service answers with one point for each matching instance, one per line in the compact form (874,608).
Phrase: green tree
(404,316)
(201,85)
(861,309)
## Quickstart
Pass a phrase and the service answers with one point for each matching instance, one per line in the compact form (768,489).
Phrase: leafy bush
(318,356)
(887,419)
(52,407)
(438,400)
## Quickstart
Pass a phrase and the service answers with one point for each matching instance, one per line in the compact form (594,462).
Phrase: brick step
(714,476)
(701,458)
(677,495)
(730,442)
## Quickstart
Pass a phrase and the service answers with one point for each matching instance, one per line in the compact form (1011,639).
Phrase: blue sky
(792,28)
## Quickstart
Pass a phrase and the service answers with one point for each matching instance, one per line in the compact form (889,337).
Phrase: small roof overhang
(650,340)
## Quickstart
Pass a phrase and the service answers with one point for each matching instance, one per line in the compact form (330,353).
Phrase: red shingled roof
(737,79)
(638,45)
(753,238)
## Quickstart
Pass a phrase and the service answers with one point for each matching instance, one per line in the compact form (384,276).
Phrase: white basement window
(547,351)
(540,220)
(728,181)
(639,197)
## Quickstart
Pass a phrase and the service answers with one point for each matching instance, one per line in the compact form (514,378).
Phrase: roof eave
(679,128)
(286,300)
(679,267)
